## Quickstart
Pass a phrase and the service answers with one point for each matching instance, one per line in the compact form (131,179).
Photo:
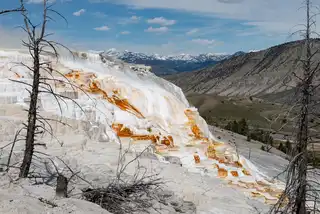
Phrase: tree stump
(62,186)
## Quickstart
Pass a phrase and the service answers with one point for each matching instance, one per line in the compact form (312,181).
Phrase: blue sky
(163,26)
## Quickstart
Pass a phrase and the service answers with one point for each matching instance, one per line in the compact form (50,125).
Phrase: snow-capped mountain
(164,65)
(132,56)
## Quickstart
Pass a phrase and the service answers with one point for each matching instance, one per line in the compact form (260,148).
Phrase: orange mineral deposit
(238,164)
(121,130)
(196,131)
(196,158)
(246,172)
(234,174)
(222,173)
(168,141)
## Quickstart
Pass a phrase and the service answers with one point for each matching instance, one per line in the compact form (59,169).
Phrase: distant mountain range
(171,64)
(260,74)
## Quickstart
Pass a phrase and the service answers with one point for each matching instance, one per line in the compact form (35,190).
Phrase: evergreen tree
(243,127)
(228,126)
(235,127)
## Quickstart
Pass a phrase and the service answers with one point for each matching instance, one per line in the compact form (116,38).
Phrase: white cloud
(264,15)
(204,41)
(135,18)
(79,12)
(157,30)
(193,31)
(161,21)
(131,20)
(11,38)
(102,28)
(125,32)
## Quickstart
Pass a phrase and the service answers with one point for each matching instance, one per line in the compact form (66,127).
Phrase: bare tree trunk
(32,118)
(302,141)
(303,131)
(38,44)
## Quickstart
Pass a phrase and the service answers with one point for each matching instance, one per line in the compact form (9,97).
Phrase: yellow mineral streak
(219,151)
(196,132)
(89,83)
(165,142)
(215,151)
(124,105)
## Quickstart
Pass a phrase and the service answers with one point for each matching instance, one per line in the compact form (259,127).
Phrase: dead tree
(34,45)
(299,190)
(300,167)
(123,192)
(37,45)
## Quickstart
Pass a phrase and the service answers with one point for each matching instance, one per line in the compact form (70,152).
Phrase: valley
(257,86)
(159,107)
(220,110)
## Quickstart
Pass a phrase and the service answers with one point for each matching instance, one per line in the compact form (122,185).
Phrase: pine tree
(235,127)
(243,127)
(228,126)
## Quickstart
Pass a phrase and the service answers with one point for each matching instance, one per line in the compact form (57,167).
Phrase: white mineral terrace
(141,109)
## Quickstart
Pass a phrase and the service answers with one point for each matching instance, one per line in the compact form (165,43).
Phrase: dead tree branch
(127,195)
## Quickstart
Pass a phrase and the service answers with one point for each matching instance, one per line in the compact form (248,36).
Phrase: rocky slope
(263,73)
